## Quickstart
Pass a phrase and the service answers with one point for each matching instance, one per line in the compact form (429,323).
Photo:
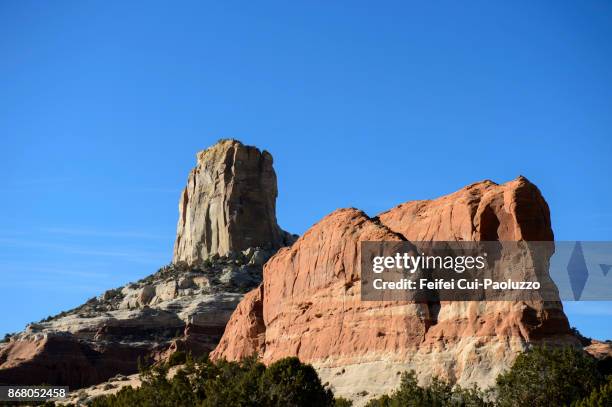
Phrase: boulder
(145,295)
(165,291)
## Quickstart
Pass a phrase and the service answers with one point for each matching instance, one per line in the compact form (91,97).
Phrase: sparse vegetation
(548,376)
(287,382)
(601,397)
(438,394)
(342,402)
(540,377)
(177,358)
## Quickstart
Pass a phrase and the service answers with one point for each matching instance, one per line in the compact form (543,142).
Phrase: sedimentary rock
(226,231)
(229,204)
(175,308)
(599,350)
(309,302)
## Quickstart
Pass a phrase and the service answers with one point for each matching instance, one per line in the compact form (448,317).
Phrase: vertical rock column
(229,204)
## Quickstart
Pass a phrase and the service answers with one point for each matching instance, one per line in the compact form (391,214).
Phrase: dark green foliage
(540,377)
(342,402)
(234,384)
(437,394)
(604,366)
(177,358)
(289,382)
(601,397)
(548,377)
(247,383)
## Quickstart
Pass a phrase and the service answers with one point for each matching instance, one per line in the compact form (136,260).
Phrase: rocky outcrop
(63,359)
(309,302)
(177,308)
(226,231)
(482,211)
(228,205)
(600,350)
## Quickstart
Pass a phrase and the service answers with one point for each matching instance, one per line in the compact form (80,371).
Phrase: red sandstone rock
(60,359)
(312,307)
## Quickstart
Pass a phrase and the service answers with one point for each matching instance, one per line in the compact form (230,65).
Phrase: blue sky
(368,104)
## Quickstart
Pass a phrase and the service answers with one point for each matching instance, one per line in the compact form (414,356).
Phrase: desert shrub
(604,365)
(232,383)
(539,377)
(342,402)
(177,358)
(438,394)
(601,397)
(548,377)
(287,382)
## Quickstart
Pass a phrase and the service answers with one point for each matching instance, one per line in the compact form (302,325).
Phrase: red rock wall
(312,308)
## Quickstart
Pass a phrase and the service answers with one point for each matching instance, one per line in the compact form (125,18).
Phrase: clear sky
(104,104)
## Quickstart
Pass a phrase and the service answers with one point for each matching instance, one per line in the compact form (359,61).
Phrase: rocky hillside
(302,300)
(226,231)
(309,302)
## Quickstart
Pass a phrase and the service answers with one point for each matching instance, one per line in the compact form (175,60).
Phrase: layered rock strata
(226,232)
(309,302)
(177,308)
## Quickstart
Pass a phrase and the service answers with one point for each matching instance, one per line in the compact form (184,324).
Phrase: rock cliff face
(309,302)
(228,205)
(226,231)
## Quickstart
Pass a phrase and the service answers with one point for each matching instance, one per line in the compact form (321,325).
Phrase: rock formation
(228,205)
(226,231)
(309,302)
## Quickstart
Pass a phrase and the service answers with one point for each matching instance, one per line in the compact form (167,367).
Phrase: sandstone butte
(308,304)
(226,231)
(229,204)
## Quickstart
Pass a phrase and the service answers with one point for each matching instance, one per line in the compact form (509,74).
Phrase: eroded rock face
(62,359)
(481,211)
(174,309)
(226,232)
(228,205)
(309,302)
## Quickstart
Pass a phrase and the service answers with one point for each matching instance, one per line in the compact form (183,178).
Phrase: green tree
(233,383)
(288,382)
(438,394)
(601,397)
(548,377)
(177,358)
(247,383)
